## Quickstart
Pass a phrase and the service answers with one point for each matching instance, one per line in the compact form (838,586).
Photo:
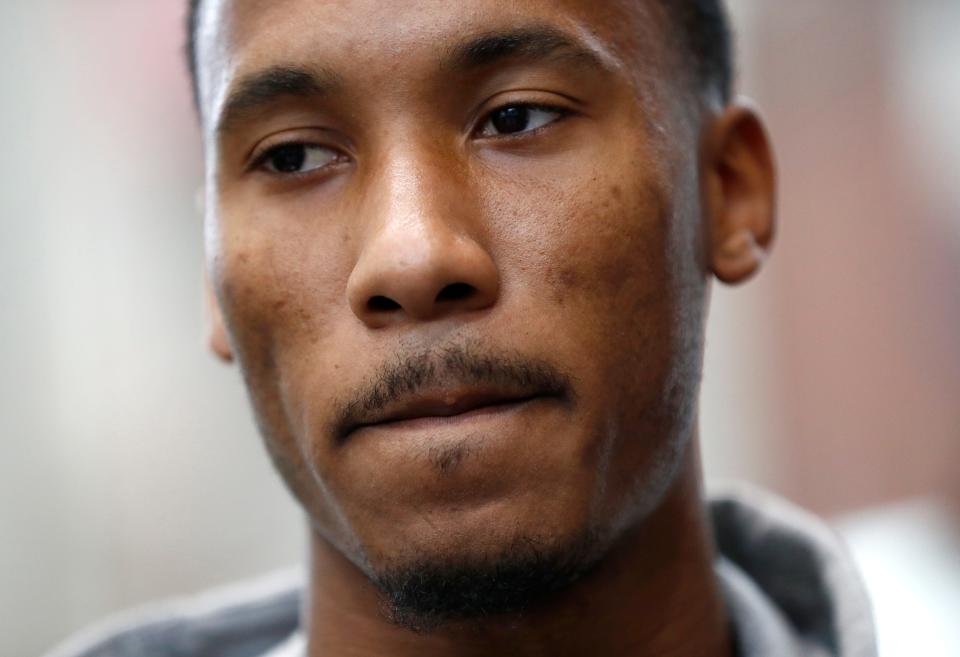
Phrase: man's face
(458,253)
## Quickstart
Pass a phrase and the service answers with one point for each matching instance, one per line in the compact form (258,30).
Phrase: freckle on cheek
(566,279)
(563,276)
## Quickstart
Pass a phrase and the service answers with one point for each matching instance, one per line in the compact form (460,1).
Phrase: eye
(297,158)
(519,118)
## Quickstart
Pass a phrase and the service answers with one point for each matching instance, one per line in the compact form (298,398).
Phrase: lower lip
(453,421)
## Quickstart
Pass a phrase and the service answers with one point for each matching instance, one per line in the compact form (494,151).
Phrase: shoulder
(241,620)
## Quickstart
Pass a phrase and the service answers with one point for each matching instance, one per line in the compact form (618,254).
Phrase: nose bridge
(419,185)
(413,216)
(422,255)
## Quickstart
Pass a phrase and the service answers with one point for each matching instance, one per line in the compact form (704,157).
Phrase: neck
(655,594)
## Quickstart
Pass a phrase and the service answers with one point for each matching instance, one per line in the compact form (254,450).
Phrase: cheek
(610,279)
(282,299)
(279,290)
(610,251)
(600,268)
(594,253)
(280,302)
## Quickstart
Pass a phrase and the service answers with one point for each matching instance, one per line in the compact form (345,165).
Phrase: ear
(217,338)
(740,192)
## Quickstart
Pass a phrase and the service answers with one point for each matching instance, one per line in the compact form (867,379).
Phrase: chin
(456,581)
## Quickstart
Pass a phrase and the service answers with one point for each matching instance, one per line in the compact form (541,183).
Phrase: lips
(446,403)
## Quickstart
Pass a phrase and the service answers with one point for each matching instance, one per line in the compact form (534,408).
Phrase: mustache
(438,367)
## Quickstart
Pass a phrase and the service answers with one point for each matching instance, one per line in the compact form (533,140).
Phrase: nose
(420,260)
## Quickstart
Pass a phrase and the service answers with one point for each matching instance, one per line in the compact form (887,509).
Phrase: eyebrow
(533,43)
(262,88)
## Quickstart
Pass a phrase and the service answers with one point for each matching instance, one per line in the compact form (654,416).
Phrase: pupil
(511,119)
(289,159)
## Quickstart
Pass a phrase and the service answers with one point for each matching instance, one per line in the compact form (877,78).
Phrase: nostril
(382,304)
(456,292)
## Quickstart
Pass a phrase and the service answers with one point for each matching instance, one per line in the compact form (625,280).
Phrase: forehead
(373,37)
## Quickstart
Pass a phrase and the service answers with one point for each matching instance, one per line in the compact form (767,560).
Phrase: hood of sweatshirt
(790,585)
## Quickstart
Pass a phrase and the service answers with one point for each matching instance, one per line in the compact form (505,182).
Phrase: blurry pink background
(130,469)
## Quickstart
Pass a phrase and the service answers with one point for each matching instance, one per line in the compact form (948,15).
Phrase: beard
(425,593)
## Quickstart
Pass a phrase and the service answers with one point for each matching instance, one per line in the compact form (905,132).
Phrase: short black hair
(702,26)
(193,18)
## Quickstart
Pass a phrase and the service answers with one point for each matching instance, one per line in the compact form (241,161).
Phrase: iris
(511,119)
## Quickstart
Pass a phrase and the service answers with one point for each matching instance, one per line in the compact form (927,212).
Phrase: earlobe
(217,338)
(738,257)
(740,193)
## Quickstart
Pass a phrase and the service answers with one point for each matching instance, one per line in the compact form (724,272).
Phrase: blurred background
(129,465)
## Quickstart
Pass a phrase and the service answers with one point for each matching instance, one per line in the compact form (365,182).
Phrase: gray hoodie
(789,585)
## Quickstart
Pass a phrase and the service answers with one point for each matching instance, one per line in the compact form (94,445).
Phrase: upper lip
(444,402)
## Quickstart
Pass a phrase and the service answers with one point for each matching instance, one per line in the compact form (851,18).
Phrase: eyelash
(260,161)
(562,113)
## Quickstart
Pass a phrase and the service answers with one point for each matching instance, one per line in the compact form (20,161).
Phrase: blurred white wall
(129,466)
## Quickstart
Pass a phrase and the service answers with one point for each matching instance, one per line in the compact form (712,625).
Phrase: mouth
(447,406)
